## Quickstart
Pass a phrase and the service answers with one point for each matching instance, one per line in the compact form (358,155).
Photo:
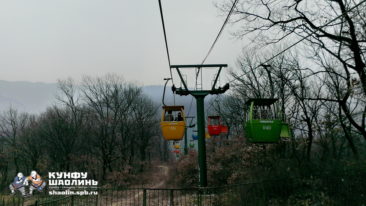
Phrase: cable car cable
(297,42)
(283,51)
(226,20)
(219,34)
(208,53)
(212,46)
(217,37)
(168,55)
(165,38)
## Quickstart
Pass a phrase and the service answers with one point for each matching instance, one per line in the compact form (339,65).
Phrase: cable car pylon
(200,95)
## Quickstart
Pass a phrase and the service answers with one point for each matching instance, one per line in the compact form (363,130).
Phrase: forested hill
(35,97)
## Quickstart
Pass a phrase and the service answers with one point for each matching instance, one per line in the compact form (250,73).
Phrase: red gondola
(224,129)
(214,125)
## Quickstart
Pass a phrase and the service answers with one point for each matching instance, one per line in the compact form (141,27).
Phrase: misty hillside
(36,97)
(27,96)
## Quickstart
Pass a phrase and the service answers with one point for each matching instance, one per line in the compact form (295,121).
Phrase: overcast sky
(46,40)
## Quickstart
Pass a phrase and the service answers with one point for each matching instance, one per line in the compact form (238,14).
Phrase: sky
(47,40)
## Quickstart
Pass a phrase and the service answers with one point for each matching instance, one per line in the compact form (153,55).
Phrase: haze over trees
(308,54)
(103,125)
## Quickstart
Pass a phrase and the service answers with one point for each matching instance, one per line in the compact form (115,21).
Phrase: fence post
(171,198)
(199,203)
(144,202)
(72,200)
(97,199)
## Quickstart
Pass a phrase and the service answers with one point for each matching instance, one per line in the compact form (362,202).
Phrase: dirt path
(164,174)
(165,171)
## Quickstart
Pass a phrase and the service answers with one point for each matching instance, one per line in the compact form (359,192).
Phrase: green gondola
(262,124)
(285,131)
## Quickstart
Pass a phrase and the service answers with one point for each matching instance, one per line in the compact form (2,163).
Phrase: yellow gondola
(207,135)
(173,122)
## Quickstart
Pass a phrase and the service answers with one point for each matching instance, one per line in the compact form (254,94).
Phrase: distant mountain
(27,96)
(36,97)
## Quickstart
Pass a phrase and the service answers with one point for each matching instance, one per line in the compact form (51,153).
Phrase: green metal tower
(200,95)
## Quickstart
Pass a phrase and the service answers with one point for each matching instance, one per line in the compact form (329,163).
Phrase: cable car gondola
(285,131)
(224,129)
(262,125)
(207,135)
(194,137)
(173,122)
(214,125)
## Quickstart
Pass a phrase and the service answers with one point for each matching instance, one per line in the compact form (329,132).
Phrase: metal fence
(284,192)
(11,200)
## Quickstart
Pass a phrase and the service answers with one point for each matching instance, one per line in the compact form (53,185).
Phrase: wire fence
(284,192)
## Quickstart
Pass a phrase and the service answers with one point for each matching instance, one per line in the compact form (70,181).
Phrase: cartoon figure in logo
(36,182)
(18,184)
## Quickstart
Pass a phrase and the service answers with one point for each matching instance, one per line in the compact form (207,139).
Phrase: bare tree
(331,29)
(12,124)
